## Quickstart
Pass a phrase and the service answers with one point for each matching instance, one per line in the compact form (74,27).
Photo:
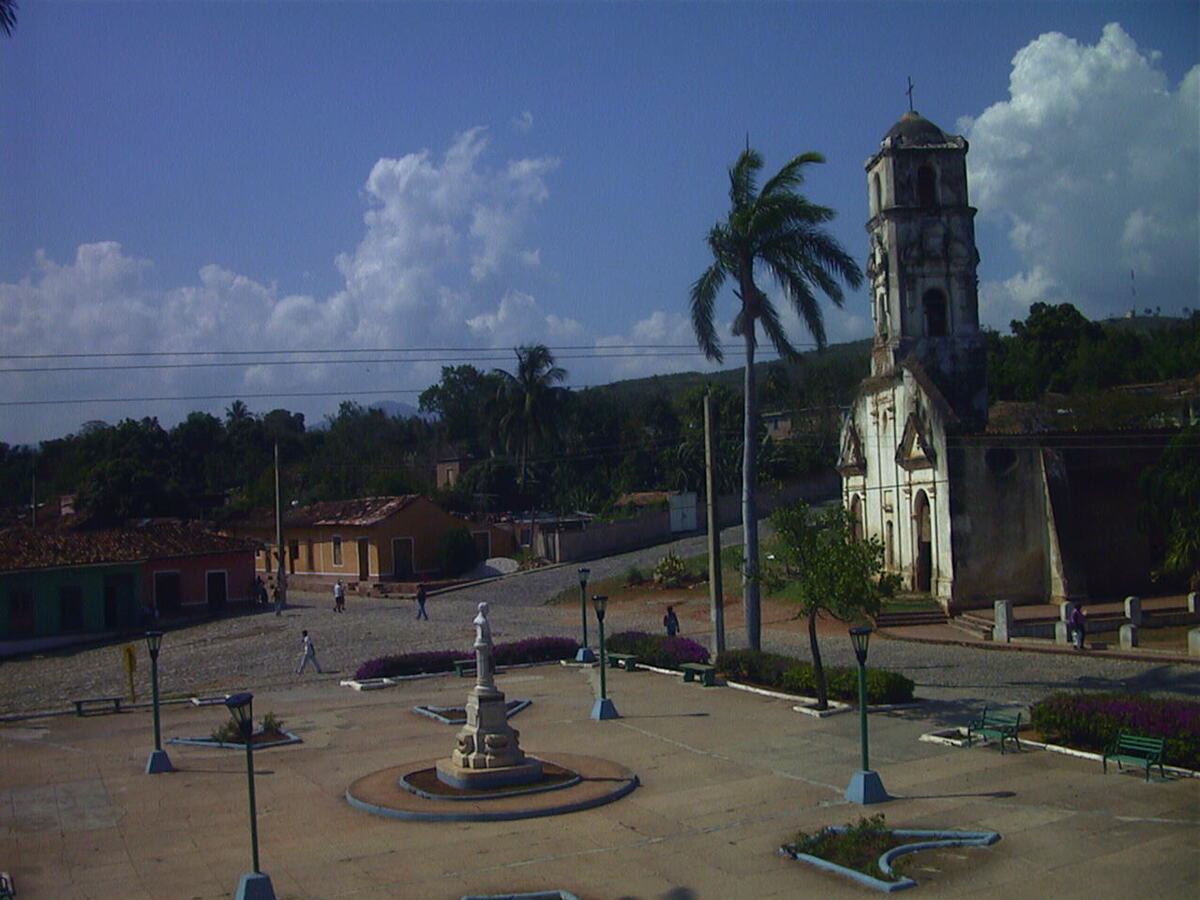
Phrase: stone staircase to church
(911,617)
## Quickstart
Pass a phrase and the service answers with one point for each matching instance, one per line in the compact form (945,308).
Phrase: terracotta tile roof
(28,548)
(364,511)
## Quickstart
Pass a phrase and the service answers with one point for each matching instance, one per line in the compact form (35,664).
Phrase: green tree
(528,402)
(780,232)
(830,571)
(460,401)
(1172,492)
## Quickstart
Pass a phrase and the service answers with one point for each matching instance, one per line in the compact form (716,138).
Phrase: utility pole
(33,501)
(716,597)
(282,582)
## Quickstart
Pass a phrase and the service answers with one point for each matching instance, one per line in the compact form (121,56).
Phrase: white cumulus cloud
(1092,165)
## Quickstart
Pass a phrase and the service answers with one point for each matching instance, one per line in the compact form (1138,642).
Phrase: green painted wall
(111,600)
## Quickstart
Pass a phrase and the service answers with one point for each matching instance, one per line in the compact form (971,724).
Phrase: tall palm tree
(779,232)
(527,401)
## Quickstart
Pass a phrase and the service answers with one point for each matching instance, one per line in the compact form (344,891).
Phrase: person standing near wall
(671,622)
(421,614)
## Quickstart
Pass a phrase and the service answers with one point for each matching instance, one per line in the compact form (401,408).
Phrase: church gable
(851,461)
(916,449)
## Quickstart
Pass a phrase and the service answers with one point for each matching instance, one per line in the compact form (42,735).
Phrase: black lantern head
(583,577)
(860,637)
(241,707)
(153,643)
(601,603)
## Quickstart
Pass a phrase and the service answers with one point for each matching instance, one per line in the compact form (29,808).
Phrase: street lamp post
(254,885)
(158,760)
(865,786)
(585,654)
(603,708)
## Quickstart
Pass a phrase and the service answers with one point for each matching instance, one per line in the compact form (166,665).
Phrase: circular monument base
(599,782)
(481,779)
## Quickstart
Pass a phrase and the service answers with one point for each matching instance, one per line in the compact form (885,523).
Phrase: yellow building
(369,539)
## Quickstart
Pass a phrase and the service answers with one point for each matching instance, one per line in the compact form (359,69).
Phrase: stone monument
(487,754)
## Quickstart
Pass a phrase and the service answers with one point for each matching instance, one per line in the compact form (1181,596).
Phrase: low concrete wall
(653,526)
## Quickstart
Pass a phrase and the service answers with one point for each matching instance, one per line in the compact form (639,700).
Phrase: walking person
(277,598)
(309,653)
(421,614)
(339,597)
(671,622)
(1077,622)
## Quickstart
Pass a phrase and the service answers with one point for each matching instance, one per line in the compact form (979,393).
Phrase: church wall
(888,492)
(999,524)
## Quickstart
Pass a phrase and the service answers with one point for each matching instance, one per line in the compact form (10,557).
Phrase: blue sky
(202,177)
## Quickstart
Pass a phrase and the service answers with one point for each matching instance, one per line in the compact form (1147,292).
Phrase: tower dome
(915,129)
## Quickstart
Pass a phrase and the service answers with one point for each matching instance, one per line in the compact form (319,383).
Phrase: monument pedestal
(488,753)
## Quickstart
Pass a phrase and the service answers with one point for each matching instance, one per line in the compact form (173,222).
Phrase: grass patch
(910,603)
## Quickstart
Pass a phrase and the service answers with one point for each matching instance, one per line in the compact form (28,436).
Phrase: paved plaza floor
(726,777)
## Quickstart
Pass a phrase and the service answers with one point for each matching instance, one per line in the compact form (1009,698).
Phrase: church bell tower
(924,296)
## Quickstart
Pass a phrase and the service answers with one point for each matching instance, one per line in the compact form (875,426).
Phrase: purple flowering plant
(1092,721)
(538,649)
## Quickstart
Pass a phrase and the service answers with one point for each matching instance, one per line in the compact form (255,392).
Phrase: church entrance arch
(924,542)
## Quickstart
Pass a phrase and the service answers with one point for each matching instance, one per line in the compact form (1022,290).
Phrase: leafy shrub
(1092,722)
(529,650)
(856,847)
(634,576)
(670,571)
(658,649)
(457,552)
(794,676)
(228,732)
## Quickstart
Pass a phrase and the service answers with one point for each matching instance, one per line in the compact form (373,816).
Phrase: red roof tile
(27,548)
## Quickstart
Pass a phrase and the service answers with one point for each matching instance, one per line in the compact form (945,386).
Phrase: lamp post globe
(158,761)
(585,654)
(255,884)
(865,785)
(603,708)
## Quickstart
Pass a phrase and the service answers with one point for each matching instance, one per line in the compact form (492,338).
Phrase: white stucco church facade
(927,375)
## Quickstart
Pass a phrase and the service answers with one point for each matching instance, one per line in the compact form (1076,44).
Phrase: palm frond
(768,317)
(743,177)
(704,295)
(791,176)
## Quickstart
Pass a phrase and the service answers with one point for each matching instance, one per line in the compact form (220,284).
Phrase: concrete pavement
(726,777)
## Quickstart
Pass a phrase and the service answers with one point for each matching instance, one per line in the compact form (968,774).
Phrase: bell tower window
(934,306)
(876,195)
(927,187)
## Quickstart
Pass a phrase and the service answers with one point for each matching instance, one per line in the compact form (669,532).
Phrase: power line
(343,351)
(325,362)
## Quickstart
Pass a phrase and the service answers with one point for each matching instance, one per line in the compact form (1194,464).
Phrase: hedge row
(1092,722)
(794,676)
(657,649)
(527,651)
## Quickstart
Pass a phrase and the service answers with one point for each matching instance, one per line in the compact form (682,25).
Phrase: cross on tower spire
(910,92)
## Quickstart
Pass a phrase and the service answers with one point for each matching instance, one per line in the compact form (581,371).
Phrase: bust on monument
(483,649)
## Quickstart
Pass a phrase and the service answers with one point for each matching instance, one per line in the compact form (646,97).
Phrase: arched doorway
(924,543)
(856,520)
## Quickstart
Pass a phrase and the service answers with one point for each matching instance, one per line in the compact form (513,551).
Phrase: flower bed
(658,649)
(1092,722)
(527,651)
(794,676)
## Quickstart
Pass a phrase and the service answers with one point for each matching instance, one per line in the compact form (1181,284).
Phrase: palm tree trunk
(750,599)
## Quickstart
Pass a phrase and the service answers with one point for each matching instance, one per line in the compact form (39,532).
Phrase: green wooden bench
(114,702)
(7,889)
(1002,726)
(626,661)
(1137,751)
(706,673)
(461,666)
